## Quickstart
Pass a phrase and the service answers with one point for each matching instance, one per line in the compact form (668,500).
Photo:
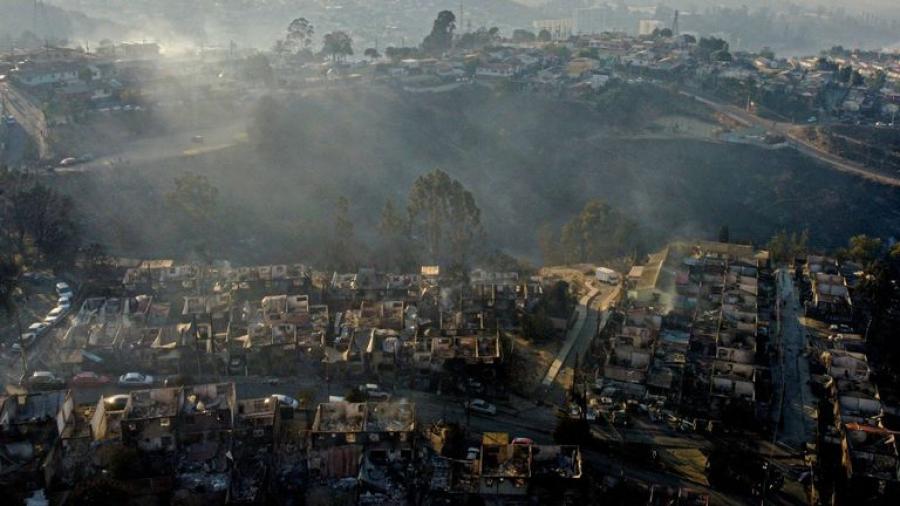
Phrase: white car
(482,407)
(63,289)
(284,400)
(135,379)
(44,379)
(27,339)
(38,328)
(56,314)
(66,162)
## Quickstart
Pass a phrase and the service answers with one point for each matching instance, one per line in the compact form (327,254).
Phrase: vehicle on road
(481,407)
(89,379)
(197,139)
(524,441)
(44,380)
(55,315)
(284,401)
(38,328)
(68,162)
(135,379)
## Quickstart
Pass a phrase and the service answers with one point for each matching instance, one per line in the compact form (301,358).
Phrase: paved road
(591,315)
(800,144)
(797,406)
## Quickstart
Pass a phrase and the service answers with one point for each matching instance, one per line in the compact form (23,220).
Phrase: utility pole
(21,343)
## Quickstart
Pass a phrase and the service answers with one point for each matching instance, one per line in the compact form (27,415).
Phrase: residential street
(792,372)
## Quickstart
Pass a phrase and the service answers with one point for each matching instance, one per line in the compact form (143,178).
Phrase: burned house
(505,470)
(830,298)
(30,427)
(150,418)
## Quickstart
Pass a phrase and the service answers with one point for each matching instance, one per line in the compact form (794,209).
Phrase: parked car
(44,380)
(374,393)
(27,339)
(135,379)
(38,328)
(197,139)
(481,406)
(473,453)
(284,401)
(89,379)
(56,314)
(63,289)
(116,402)
(525,441)
(68,162)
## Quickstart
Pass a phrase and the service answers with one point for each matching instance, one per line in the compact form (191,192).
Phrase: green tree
(441,37)
(864,249)
(721,56)
(599,232)
(784,248)
(895,252)
(371,53)
(779,247)
(444,217)
(300,34)
(43,217)
(544,35)
(337,45)
(537,326)
(523,36)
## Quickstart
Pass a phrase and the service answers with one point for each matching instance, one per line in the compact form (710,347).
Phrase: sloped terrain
(528,161)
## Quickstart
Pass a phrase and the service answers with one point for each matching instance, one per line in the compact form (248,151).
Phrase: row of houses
(289,319)
(692,330)
(202,443)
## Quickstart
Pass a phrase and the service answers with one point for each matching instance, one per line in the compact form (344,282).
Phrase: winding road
(802,145)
